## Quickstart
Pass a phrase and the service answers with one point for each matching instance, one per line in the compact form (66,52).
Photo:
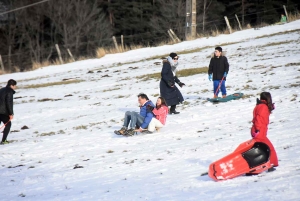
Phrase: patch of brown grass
(34,86)
(294,17)
(278,33)
(100,52)
(293,64)
(192,71)
(181,73)
(37,65)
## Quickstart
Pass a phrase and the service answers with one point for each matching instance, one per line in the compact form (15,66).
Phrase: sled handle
(5,124)
(219,85)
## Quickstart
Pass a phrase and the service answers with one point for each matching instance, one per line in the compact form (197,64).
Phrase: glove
(171,84)
(210,77)
(225,74)
(181,84)
(149,107)
(254,134)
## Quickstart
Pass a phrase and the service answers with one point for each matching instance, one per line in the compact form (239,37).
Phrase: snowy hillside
(70,152)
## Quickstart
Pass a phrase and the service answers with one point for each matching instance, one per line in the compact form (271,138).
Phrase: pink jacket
(161,113)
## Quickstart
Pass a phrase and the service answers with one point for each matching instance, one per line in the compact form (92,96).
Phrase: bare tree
(172,17)
(79,21)
(206,5)
(9,31)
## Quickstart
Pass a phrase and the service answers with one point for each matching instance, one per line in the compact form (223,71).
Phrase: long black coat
(6,101)
(218,66)
(172,95)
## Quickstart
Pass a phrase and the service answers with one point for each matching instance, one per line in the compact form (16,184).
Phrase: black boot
(172,110)
(271,169)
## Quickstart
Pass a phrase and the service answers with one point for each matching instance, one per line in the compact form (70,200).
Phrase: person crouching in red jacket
(260,122)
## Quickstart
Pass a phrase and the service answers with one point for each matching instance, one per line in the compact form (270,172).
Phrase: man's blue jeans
(223,88)
(134,118)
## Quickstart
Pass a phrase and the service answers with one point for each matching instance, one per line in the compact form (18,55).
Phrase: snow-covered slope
(71,124)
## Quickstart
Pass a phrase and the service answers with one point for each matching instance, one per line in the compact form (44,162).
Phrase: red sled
(249,157)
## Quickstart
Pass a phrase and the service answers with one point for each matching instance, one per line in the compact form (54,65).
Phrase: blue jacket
(147,114)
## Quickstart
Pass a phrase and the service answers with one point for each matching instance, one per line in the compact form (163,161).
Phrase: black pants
(4,119)
(173,107)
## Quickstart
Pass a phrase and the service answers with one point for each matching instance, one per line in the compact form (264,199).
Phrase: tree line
(29,35)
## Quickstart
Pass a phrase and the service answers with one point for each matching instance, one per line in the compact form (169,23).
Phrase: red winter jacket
(161,113)
(260,123)
(260,120)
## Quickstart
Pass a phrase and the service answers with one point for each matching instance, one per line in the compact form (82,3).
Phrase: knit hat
(172,55)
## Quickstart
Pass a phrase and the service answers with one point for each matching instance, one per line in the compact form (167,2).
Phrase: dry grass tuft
(245,96)
(192,71)
(156,76)
(294,17)
(37,65)
(293,64)
(112,89)
(82,127)
(181,73)
(34,86)
(100,52)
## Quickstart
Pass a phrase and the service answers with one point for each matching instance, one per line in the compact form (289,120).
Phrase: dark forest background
(29,35)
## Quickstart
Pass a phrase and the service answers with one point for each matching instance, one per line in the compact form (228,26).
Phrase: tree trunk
(243,13)
(204,15)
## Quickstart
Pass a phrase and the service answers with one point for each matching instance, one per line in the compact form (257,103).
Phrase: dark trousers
(172,108)
(4,119)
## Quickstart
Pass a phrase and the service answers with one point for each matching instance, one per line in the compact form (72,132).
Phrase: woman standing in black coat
(168,90)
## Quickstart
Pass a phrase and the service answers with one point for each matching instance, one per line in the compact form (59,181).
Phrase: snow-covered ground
(75,128)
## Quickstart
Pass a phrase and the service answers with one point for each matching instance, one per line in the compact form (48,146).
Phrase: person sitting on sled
(217,71)
(140,120)
(260,122)
(160,111)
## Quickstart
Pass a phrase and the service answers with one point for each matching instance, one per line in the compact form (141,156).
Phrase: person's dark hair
(266,96)
(163,101)
(219,49)
(144,96)
(11,82)
(173,55)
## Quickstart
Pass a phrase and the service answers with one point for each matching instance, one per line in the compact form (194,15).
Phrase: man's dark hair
(11,82)
(144,96)
(219,49)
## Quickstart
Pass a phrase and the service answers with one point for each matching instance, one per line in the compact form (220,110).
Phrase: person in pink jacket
(160,112)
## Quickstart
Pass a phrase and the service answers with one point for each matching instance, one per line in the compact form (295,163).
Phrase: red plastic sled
(249,157)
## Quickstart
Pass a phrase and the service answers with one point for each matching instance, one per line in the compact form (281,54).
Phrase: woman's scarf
(173,65)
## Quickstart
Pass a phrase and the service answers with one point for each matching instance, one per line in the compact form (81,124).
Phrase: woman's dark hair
(173,55)
(163,101)
(266,96)
(144,96)
(11,82)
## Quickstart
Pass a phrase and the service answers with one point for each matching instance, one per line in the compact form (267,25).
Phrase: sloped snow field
(71,125)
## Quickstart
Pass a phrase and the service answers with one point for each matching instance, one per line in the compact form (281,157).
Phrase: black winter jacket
(168,90)
(218,66)
(6,101)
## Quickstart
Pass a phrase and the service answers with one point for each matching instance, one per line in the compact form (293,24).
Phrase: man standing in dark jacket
(218,68)
(6,107)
